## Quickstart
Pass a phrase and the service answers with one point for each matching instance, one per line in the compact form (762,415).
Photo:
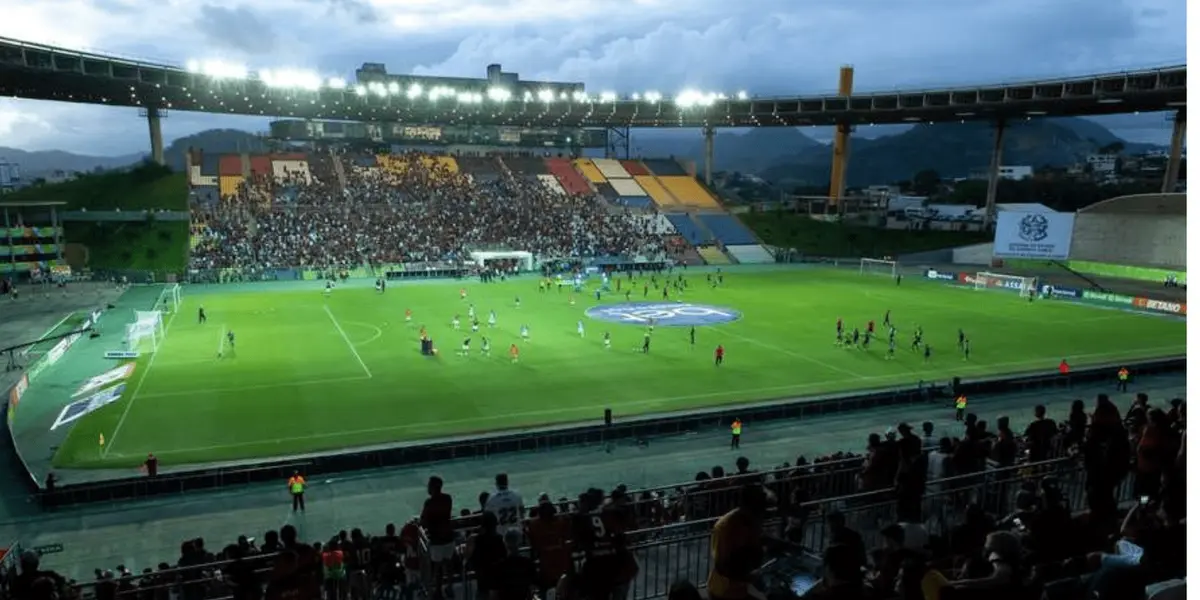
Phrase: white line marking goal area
(350,344)
(112,439)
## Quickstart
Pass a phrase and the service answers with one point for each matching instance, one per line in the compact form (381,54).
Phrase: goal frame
(1024,287)
(864,262)
(170,298)
(137,333)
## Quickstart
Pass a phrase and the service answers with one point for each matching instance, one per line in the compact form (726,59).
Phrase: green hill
(822,238)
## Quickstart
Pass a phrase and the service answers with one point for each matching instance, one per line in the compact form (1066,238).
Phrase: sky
(762,46)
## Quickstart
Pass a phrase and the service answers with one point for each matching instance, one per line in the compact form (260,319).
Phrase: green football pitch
(312,372)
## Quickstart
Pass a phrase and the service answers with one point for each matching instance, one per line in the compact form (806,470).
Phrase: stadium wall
(650,426)
(1105,299)
(975,254)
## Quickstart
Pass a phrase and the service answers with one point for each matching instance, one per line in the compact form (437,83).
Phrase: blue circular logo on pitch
(667,314)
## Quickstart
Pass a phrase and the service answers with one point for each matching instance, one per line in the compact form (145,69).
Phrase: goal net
(876,266)
(146,333)
(1022,285)
(169,299)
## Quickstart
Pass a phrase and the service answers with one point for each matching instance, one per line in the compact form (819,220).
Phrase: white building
(1102,164)
(1012,172)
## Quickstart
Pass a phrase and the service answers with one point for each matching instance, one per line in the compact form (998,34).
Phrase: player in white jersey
(471,312)
(506,504)
(525,332)
(492,318)
(454,323)
(607,341)
(485,347)
(579,327)
(328,287)
(474,325)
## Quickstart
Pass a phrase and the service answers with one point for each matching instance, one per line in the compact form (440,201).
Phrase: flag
(102,440)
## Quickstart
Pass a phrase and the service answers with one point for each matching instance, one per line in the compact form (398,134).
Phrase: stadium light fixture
(414,91)
(546,96)
(360,90)
(579,97)
(218,69)
(528,96)
(608,97)
(693,99)
(653,97)
(393,88)
(336,83)
(636,97)
(291,78)
(743,96)
(498,94)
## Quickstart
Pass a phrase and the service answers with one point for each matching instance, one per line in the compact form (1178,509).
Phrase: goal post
(169,299)
(146,333)
(877,266)
(1022,285)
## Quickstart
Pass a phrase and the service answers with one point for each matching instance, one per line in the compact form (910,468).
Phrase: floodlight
(414,91)
(608,97)
(653,97)
(742,95)
(498,94)
(360,90)
(528,96)
(336,83)
(546,96)
(393,88)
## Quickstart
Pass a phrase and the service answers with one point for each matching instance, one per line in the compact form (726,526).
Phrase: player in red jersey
(871,326)
(719,355)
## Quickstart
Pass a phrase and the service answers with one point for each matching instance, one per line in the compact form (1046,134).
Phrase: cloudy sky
(764,46)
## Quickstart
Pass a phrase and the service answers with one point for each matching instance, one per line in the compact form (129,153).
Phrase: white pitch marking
(137,389)
(345,337)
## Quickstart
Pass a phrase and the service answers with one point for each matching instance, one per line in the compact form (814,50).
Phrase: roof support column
(12,256)
(56,229)
(841,141)
(1176,157)
(994,173)
(154,120)
(708,155)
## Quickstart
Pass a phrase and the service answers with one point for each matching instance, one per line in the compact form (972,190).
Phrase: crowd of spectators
(408,210)
(1015,536)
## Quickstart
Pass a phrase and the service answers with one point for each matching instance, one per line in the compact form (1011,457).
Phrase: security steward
(1122,379)
(296,485)
(960,407)
(735,441)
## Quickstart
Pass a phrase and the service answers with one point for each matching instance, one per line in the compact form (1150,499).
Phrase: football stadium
(460,293)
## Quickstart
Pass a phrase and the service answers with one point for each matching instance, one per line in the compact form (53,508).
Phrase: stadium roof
(48,73)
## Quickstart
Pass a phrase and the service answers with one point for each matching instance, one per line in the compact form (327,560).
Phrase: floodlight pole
(708,155)
(994,174)
(57,231)
(1171,177)
(618,143)
(12,256)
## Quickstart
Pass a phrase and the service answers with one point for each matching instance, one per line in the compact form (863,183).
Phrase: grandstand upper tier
(38,71)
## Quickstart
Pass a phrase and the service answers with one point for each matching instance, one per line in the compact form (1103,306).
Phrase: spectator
(1039,435)
(485,553)
(737,548)
(436,517)
(517,577)
(841,535)
(843,578)
(1106,456)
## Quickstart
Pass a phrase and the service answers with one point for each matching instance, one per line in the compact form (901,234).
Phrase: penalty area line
(353,350)
(904,378)
(138,388)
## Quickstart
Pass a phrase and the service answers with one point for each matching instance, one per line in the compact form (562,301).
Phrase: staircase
(339,170)
(1095,285)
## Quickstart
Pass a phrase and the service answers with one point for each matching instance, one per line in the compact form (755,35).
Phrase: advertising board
(1055,291)
(1043,235)
(1162,306)
(941,276)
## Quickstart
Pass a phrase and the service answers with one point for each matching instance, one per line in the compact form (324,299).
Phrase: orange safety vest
(960,402)
(1123,374)
(737,427)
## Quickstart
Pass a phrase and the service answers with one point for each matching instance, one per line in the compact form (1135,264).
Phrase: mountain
(212,141)
(45,162)
(951,149)
(745,151)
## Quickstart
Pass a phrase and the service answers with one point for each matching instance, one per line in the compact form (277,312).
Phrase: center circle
(666,314)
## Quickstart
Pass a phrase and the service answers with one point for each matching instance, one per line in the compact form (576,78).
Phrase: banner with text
(1055,291)
(1107,298)
(1044,235)
(1162,306)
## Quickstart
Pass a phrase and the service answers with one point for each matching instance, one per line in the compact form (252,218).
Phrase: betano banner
(1044,235)
(1162,306)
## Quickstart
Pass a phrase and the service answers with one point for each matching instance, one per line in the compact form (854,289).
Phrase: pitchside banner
(1045,235)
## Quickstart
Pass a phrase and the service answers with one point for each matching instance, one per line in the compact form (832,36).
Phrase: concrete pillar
(1171,177)
(58,236)
(994,174)
(841,141)
(12,257)
(708,156)
(154,120)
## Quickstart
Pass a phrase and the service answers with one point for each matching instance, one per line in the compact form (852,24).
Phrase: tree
(1113,148)
(926,182)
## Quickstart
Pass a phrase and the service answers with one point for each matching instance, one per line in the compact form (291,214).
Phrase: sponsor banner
(973,279)
(1108,298)
(58,350)
(14,396)
(1163,306)
(1054,291)
(1044,235)
(104,379)
(120,354)
(666,314)
(940,276)
(78,409)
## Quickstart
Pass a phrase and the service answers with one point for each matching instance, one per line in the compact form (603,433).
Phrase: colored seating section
(635,201)
(526,165)
(230,165)
(481,168)
(610,168)
(589,170)
(728,229)
(713,256)
(570,179)
(753,254)
(635,168)
(664,167)
(627,187)
(687,228)
(606,190)
(689,192)
(656,191)
(206,195)
(435,165)
(552,184)
(230,185)
(287,170)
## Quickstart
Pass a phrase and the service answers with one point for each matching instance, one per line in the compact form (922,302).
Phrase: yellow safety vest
(960,402)
(737,428)
(296,485)
(1122,374)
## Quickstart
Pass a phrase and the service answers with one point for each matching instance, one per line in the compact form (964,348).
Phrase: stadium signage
(940,276)
(1108,298)
(58,350)
(119,354)
(667,314)
(78,409)
(103,379)
(1044,235)
(1173,308)
(1054,291)
(992,282)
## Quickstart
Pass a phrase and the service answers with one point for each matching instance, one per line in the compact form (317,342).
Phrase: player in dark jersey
(887,318)
(203,318)
(966,348)
(962,337)
(854,337)
(928,352)
(599,529)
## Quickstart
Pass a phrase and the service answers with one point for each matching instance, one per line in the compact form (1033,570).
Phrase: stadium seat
(606,190)
(552,184)
(230,165)
(689,192)
(728,229)
(713,255)
(482,168)
(664,167)
(586,167)
(640,202)
(210,165)
(290,170)
(656,191)
(230,185)
(526,165)
(627,187)
(260,165)
(688,228)
(753,254)
(611,169)
(634,168)
(571,180)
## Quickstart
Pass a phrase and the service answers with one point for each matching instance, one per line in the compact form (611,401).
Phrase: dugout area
(311,374)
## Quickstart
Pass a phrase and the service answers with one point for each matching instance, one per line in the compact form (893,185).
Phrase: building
(10,176)
(1011,172)
(1102,164)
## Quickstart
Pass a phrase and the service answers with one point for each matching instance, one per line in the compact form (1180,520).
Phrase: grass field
(313,373)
